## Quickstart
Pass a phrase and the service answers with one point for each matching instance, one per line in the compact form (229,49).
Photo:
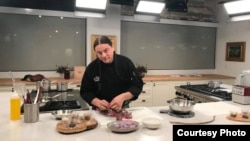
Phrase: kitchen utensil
(20,88)
(59,114)
(31,112)
(45,100)
(181,105)
(123,126)
(45,83)
(214,84)
(151,123)
(36,98)
(62,86)
(12,77)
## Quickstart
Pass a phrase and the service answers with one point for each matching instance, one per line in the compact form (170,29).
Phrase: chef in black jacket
(111,80)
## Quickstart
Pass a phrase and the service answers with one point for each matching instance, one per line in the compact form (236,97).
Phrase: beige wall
(231,32)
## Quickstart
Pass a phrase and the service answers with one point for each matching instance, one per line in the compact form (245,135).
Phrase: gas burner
(178,115)
(206,90)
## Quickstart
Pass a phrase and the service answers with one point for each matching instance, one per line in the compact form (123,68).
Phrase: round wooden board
(62,128)
(239,118)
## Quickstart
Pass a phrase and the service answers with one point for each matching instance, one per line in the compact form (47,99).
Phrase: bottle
(15,107)
(67,74)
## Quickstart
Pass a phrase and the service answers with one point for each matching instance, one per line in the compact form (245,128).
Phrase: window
(32,43)
(168,46)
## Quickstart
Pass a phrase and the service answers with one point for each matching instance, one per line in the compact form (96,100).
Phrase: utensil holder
(31,113)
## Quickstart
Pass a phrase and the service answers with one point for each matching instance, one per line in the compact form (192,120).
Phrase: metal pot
(181,105)
(214,84)
(62,86)
(45,83)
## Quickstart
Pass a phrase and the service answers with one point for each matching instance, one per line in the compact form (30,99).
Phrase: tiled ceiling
(198,10)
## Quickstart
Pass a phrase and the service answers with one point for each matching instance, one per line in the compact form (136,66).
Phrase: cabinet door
(161,93)
(145,98)
(6,88)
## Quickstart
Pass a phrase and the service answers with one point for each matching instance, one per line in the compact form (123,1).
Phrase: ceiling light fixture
(239,18)
(91,4)
(237,7)
(154,7)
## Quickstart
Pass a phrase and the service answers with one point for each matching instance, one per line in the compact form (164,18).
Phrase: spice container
(233,113)
(244,113)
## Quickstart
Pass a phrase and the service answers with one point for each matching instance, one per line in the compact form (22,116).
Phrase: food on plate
(123,126)
(126,124)
(121,114)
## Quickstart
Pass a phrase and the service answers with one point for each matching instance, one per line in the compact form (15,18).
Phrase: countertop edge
(8,81)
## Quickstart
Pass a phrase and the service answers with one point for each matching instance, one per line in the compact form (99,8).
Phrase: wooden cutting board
(83,126)
(239,118)
(79,71)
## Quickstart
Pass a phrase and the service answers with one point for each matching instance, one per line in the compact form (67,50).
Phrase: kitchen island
(45,128)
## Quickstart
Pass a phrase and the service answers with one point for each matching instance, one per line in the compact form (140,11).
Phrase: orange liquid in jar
(15,111)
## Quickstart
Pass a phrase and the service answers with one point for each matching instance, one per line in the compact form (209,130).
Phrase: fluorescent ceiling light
(237,7)
(91,4)
(89,14)
(240,18)
(150,7)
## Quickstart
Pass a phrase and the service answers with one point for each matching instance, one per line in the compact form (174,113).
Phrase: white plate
(123,126)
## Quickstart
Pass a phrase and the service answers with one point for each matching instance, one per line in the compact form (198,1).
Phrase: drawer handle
(143,100)
(143,91)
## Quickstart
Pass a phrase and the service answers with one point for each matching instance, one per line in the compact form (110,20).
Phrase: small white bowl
(151,123)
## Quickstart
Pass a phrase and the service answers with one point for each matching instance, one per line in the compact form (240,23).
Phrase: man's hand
(117,102)
(100,104)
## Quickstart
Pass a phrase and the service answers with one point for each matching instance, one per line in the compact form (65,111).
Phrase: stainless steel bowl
(59,114)
(181,105)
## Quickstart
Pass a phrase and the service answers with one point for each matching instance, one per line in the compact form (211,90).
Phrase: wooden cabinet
(6,88)
(156,93)
(161,93)
(145,98)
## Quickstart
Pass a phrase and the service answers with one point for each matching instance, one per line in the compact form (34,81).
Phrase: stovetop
(178,115)
(206,90)
(55,100)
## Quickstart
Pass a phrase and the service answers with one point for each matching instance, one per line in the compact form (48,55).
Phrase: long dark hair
(102,40)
